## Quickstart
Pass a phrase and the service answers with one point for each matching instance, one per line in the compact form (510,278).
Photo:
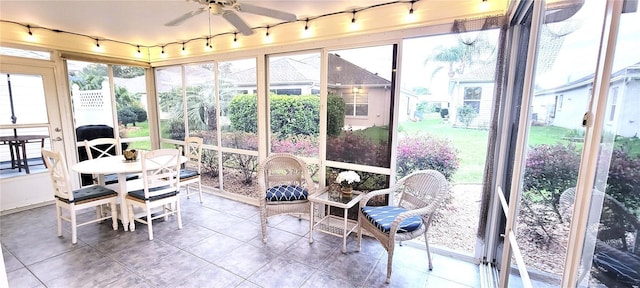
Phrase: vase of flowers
(347,179)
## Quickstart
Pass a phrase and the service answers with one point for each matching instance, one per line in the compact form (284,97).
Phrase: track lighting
(353,18)
(235,36)
(138,49)
(306,24)
(413,1)
(29,28)
(267,34)
(162,49)
(97,43)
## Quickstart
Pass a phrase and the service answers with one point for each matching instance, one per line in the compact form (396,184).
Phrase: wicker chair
(190,173)
(284,182)
(420,194)
(616,257)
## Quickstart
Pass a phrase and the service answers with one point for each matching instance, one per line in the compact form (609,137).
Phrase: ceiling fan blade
(237,22)
(179,20)
(266,12)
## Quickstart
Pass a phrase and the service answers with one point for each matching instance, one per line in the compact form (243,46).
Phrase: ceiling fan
(228,10)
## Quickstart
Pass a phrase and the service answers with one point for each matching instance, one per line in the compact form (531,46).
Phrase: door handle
(58,129)
(57,139)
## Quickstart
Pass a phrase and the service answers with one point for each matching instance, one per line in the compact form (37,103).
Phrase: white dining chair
(105,147)
(190,173)
(161,180)
(75,200)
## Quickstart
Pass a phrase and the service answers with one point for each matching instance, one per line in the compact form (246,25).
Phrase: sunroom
(528,108)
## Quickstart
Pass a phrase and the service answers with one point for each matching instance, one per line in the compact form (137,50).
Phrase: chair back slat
(59,174)
(161,168)
(193,151)
(102,147)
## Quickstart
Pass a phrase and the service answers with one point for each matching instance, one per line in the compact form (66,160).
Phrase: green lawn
(143,131)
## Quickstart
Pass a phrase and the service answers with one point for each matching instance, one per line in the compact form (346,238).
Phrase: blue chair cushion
(287,193)
(139,194)
(383,216)
(90,192)
(185,173)
(113,178)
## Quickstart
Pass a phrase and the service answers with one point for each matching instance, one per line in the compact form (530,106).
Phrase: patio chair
(284,185)
(616,256)
(75,200)
(420,194)
(190,173)
(161,180)
(105,147)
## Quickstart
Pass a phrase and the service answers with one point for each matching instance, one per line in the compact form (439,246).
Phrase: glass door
(30,121)
(610,253)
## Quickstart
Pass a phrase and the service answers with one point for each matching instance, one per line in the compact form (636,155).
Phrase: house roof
(288,70)
(351,74)
(631,70)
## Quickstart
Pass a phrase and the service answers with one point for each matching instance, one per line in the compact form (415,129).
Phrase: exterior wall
(486,102)
(628,110)
(407,107)
(568,111)
(378,113)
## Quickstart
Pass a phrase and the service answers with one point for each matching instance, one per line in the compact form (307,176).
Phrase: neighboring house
(367,96)
(475,89)
(564,106)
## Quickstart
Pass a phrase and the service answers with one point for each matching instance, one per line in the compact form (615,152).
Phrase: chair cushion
(186,173)
(113,178)
(90,192)
(287,193)
(383,216)
(139,194)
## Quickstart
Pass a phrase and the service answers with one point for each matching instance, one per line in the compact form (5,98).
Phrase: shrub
(175,129)
(335,115)
(426,152)
(126,116)
(300,145)
(466,114)
(295,115)
(358,149)
(624,179)
(549,171)
(210,163)
(290,115)
(141,114)
(243,111)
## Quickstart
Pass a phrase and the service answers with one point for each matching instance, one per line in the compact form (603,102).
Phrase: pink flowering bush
(423,152)
(301,145)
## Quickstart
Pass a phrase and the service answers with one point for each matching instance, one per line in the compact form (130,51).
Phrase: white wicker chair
(74,200)
(160,175)
(420,194)
(285,184)
(190,173)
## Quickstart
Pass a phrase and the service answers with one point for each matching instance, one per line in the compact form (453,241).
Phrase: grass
(142,131)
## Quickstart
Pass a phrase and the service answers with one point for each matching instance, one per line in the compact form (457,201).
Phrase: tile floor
(219,246)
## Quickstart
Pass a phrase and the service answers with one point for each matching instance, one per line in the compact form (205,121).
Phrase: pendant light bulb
(353,18)
(97,43)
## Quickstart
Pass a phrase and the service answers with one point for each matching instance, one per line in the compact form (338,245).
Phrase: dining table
(18,149)
(121,167)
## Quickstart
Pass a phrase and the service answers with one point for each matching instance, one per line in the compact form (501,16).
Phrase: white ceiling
(142,22)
